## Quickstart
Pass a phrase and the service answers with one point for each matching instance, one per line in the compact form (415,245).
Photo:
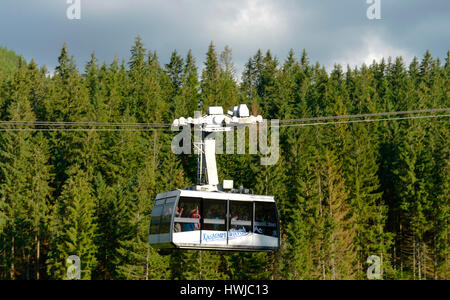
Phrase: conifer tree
(138,260)
(210,78)
(188,99)
(174,70)
(414,199)
(73,228)
(286,86)
(251,81)
(227,93)
(340,248)
(267,87)
(39,207)
(112,216)
(68,101)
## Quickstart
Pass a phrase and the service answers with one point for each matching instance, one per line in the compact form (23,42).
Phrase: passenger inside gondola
(214,215)
(192,214)
(187,215)
(196,215)
(178,213)
(235,218)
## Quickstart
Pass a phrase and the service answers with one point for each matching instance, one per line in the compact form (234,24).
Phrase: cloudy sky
(331,31)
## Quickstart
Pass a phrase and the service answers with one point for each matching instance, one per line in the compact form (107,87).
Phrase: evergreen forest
(344,192)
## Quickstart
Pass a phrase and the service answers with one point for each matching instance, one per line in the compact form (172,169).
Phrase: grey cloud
(331,31)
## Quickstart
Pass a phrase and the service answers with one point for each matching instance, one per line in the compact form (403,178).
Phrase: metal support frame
(214,121)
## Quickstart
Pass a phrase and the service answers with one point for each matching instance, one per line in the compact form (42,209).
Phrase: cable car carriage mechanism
(210,216)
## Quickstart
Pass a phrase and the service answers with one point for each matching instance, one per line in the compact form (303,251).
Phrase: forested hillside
(344,191)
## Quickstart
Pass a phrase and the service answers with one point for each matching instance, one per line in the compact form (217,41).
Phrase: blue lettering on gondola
(237,233)
(222,236)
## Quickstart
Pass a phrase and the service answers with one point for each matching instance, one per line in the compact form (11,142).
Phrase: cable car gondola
(213,216)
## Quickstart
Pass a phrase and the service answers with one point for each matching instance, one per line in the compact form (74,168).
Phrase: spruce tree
(187,100)
(174,70)
(112,216)
(227,93)
(210,78)
(73,228)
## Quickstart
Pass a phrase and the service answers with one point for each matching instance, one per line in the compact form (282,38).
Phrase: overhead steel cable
(361,121)
(84,129)
(164,129)
(83,124)
(369,115)
(97,126)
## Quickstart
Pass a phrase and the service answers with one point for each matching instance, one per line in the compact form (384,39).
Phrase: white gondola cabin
(188,219)
(209,216)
